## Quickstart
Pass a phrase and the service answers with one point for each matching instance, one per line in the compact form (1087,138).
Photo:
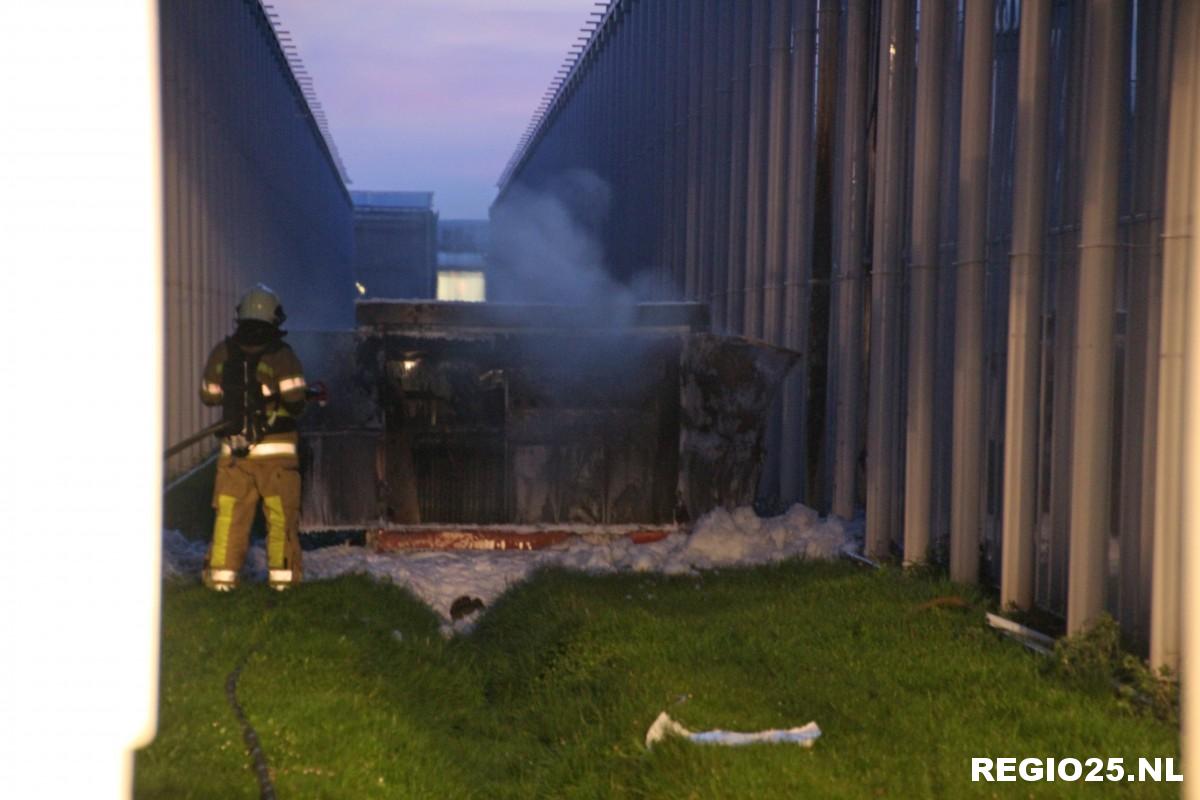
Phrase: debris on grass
(946,601)
(465,606)
(664,726)
(1034,640)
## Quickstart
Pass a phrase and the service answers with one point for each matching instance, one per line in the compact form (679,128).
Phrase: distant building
(395,244)
(462,261)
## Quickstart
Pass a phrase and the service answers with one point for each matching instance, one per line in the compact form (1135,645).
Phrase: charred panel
(341,455)
(727,387)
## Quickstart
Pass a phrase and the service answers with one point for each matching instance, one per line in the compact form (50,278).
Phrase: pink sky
(431,94)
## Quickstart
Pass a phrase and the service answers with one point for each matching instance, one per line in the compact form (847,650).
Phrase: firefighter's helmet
(260,303)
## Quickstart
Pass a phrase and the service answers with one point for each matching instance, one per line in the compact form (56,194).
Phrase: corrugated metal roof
(393,199)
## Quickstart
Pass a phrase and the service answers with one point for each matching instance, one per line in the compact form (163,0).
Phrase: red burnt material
(647,537)
(391,540)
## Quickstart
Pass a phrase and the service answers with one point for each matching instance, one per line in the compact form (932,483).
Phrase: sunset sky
(431,94)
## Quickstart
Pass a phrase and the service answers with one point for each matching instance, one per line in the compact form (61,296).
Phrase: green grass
(553,693)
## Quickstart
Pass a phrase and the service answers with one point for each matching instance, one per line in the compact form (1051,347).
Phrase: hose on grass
(258,759)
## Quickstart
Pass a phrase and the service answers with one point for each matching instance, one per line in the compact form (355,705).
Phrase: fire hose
(316,392)
(258,759)
(262,772)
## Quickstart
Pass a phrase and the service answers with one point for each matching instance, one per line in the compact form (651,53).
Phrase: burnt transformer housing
(470,413)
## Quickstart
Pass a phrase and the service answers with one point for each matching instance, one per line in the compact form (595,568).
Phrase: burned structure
(463,413)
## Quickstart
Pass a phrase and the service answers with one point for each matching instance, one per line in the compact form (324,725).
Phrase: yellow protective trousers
(240,483)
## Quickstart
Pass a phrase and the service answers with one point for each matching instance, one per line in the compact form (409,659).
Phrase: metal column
(1178,236)
(882,422)
(1190,679)
(926,214)
(694,170)
(818,293)
(851,193)
(1019,515)
(798,243)
(1091,450)
(738,139)
(779,158)
(967,477)
(683,182)
(1142,262)
(708,152)
(722,209)
(667,106)
(756,167)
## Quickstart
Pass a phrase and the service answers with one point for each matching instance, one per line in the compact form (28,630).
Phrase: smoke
(547,246)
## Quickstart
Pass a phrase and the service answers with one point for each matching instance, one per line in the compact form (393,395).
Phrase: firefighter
(259,384)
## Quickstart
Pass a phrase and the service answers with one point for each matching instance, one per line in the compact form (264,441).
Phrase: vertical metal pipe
(638,172)
(722,149)
(186,246)
(609,133)
(1154,302)
(172,147)
(173,121)
(818,292)
(658,93)
(926,215)
(1177,242)
(851,192)
(625,124)
(739,137)
(967,464)
(682,153)
(1019,514)
(1066,280)
(196,349)
(617,234)
(756,167)
(694,167)
(1142,260)
(708,150)
(1091,446)
(798,240)
(779,163)
(668,12)
(894,59)
(774,219)
(1190,679)
(660,110)
(643,77)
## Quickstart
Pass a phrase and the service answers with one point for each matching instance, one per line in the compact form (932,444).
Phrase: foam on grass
(719,539)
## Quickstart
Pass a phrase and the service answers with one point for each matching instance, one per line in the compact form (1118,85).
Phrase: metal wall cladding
(675,106)
(251,194)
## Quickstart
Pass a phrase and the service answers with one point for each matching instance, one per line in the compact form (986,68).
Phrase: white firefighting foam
(719,539)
